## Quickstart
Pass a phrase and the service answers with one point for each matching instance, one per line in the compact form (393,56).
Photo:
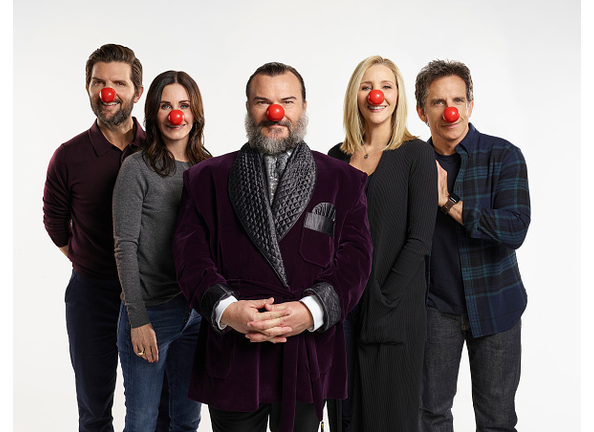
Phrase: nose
(107,94)
(375,97)
(451,114)
(176,117)
(275,112)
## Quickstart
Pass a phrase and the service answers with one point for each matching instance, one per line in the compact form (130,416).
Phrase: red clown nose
(275,112)
(451,114)
(107,94)
(375,97)
(176,117)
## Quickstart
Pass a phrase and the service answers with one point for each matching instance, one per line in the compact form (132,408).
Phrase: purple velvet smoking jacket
(313,240)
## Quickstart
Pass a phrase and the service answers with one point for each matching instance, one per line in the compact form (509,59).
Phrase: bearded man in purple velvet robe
(272,247)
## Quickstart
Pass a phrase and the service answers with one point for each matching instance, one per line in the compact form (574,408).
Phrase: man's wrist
(453,199)
(315,309)
(220,309)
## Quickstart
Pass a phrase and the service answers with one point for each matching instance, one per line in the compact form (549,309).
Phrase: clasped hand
(264,321)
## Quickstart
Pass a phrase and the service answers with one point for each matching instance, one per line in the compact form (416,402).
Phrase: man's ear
(421,113)
(469,110)
(138,94)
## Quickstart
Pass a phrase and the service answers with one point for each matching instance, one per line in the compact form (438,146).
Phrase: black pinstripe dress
(390,332)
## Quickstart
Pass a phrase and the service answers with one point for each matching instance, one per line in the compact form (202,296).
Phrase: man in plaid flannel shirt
(475,291)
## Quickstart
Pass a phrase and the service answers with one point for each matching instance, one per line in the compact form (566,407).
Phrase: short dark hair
(439,69)
(110,53)
(275,69)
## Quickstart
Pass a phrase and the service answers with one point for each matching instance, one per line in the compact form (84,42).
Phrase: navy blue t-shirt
(446,289)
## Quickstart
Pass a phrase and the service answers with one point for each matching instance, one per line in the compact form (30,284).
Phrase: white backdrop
(524,56)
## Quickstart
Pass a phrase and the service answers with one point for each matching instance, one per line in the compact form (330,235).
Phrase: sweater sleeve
(422,211)
(128,195)
(56,200)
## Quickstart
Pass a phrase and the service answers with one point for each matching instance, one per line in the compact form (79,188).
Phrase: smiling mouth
(376,107)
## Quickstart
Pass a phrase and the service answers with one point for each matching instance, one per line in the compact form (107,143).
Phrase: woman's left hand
(144,341)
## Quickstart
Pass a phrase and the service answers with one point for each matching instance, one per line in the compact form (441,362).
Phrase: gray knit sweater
(145,209)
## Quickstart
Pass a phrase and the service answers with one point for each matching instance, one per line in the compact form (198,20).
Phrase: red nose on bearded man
(176,117)
(107,94)
(275,112)
(451,114)
(375,97)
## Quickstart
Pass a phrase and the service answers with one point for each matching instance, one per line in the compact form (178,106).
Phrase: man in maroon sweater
(77,217)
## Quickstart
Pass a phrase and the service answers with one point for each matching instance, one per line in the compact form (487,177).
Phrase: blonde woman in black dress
(385,333)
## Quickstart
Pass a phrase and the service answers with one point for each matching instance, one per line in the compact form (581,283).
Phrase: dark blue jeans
(92,309)
(176,326)
(494,369)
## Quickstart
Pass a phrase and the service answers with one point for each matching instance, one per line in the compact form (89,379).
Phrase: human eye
(365,87)
(184,105)
(165,106)
(121,84)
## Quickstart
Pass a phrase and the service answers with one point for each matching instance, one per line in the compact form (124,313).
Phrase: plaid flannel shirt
(493,185)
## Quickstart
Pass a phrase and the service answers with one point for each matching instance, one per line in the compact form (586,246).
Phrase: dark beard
(119,117)
(273,145)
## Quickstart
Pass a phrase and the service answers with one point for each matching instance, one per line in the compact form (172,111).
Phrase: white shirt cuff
(220,309)
(315,308)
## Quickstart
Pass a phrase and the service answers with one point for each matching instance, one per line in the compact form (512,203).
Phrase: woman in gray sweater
(157,329)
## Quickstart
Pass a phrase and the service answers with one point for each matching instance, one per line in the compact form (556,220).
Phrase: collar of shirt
(468,142)
(101,145)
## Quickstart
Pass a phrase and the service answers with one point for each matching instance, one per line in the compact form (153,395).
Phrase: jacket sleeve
(197,274)
(505,221)
(341,285)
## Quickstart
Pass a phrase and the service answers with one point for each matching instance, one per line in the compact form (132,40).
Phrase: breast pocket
(317,239)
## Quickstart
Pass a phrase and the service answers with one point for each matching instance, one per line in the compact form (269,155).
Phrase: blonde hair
(353,121)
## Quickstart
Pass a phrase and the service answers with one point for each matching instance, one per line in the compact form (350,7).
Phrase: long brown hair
(159,157)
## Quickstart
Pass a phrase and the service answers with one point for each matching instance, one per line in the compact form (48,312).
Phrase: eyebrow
(383,81)
(262,98)
(181,101)
(94,78)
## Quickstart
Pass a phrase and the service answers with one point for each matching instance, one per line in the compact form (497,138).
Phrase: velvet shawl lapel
(266,225)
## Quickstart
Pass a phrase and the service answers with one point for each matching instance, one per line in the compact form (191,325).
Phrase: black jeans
(92,310)
(306,419)
(494,369)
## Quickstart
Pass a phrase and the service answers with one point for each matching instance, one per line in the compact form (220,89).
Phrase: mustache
(117,100)
(267,123)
